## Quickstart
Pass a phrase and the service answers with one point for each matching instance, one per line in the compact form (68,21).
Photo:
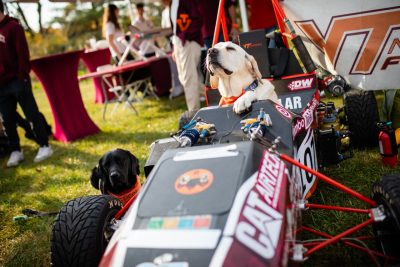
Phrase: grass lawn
(47,185)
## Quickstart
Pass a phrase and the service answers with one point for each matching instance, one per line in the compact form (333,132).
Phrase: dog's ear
(253,66)
(134,163)
(95,177)
(214,81)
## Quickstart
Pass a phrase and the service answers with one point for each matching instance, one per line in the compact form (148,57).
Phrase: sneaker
(43,153)
(15,158)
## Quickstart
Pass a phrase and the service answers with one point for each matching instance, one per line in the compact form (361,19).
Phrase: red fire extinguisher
(387,144)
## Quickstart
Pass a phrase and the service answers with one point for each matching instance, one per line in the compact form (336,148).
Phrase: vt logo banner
(358,39)
(183,22)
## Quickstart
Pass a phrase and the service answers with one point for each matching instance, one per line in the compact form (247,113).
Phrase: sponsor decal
(185,223)
(194,181)
(269,179)
(181,223)
(155,223)
(170,223)
(202,222)
(308,113)
(249,45)
(301,84)
(259,225)
(307,118)
(291,102)
(306,154)
(283,111)
(183,22)
(298,127)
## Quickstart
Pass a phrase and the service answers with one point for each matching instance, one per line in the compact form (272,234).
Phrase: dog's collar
(252,86)
(126,195)
(225,101)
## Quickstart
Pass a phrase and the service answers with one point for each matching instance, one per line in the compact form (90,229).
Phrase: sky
(48,12)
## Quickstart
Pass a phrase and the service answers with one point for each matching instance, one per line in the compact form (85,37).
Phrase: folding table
(92,60)
(124,89)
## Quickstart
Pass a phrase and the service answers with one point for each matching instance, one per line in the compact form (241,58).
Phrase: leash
(28,213)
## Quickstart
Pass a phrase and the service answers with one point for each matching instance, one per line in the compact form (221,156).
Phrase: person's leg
(24,124)
(187,60)
(28,104)
(176,85)
(8,109)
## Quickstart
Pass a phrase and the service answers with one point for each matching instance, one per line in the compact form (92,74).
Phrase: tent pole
(243,13)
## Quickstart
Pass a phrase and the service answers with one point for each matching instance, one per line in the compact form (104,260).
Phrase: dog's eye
(229,48)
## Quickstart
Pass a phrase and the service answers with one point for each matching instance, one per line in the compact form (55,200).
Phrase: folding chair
(121,91)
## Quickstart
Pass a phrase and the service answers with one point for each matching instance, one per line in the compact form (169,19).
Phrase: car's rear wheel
(362,115)
(386,192)
(82,230)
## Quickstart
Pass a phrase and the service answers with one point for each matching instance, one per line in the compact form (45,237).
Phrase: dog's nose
(212,51)
(115,175)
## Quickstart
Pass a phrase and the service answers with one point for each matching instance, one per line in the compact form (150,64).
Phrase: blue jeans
(20,92)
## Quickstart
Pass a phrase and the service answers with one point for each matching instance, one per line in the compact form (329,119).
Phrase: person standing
(16,87)
(165,17)
(112,31)
(209,10)
(176,86)
(144,25)
(187,42)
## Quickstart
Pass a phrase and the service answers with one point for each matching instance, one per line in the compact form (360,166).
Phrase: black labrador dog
(116,172)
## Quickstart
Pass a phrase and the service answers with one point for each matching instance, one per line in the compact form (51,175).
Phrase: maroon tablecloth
(58,75)
(161,74)
(159,68)
(92,60)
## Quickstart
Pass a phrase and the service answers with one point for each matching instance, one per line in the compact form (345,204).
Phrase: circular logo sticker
(194,181)
(283,111)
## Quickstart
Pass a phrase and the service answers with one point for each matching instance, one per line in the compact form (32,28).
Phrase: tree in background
(78,24)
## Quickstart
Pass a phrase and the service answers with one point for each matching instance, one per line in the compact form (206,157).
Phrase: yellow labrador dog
(235,73)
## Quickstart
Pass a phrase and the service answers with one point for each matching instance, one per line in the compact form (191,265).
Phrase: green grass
(357,173)
(47,185)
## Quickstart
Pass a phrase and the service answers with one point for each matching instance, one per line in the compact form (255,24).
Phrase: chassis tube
(328,180)
(338,208)
(337,238)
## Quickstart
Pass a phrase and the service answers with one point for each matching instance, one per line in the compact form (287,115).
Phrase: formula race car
(227,190)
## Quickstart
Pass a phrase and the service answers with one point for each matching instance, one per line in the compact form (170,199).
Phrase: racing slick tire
(386,192)
(362,115)
(81,230)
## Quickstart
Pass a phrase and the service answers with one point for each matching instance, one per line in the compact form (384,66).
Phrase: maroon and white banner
(358,39)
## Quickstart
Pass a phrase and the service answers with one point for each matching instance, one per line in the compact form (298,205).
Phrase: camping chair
(116,86)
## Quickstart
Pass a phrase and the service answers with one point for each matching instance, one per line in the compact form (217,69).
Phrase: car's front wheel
(386,192)
(82,230)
